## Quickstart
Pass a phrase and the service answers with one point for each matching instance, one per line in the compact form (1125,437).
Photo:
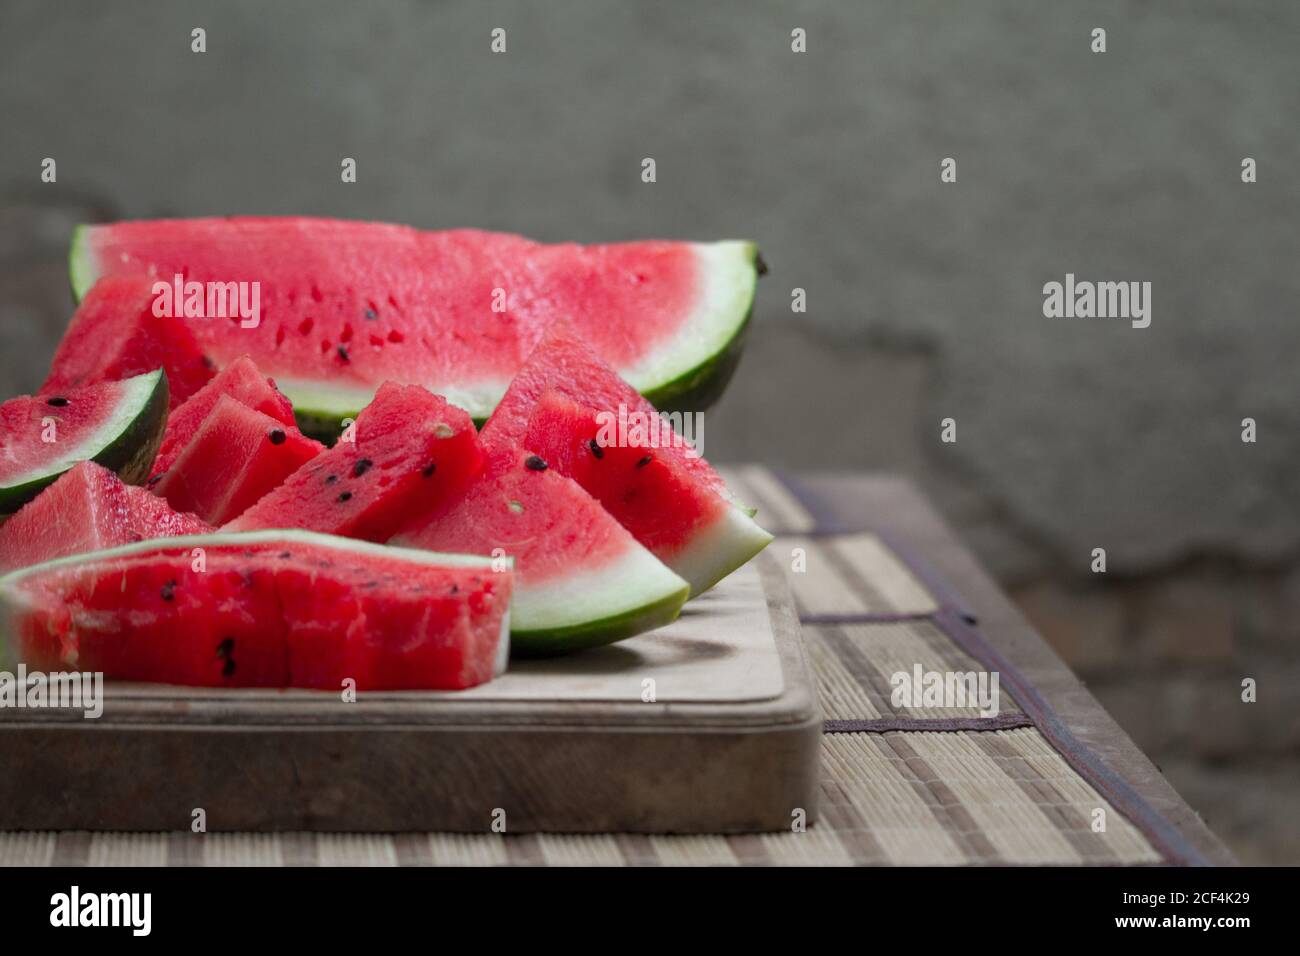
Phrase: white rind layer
(624,586)
(719,549)
(136,393)
(726,291)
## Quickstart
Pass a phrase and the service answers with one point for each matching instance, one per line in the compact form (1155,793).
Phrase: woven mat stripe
(829,522)
(1069,820)
(855,665)
(956,618)
(1172,845)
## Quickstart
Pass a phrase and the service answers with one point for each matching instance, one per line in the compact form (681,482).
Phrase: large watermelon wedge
(580,578)
(265,609)
(118,424)
(346,306)
(566,405)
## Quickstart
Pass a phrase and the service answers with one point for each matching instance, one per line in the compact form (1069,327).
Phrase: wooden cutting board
(708,725)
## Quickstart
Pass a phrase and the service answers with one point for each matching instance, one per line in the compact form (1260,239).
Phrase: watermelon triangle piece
(407,452)
(566,405)
(581,580)
(242,381)
(88,509)
(236,457)
(118,424)
(114,334)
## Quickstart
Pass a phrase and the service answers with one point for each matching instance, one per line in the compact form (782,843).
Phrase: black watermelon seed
(228,668)
(644,461)
(345,496)
(759,265)
(343,354)
(209,364)
(454,588)
(277,436)
(284,554)
(536,463)
(361,467)
(330,479)
(371,315)
(596,449)
(226,647)
(168,591)
(136,536)
(429,469)
(156,478)
(56,402)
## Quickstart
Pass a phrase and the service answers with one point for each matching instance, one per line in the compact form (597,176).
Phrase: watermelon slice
(242,381)
(264,609)
(580,579)
(235,458)
(115,335)
(410,452)
(118,424)
(346,306)
(565,404)
(87,509)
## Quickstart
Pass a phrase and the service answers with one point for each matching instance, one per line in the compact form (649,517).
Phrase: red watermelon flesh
(242,381)
(346,306)
(407,453)
(580,578)
(236,457)
(566,405)
(118,424)
(88,509)
(115,335)
(267,609)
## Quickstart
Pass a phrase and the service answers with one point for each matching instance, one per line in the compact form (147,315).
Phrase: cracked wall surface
(924,299)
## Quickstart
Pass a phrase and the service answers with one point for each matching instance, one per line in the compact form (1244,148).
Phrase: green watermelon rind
(82,272)
(126,443)
(13,601)
(557,641)
(737,267)
(728,545)
(724,320)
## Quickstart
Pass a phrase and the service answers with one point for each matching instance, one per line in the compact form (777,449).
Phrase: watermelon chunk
(115,335)
(348,305)
(88,509)
(233,460)
(410,452)
(565,404)
(118,424)
(263,609)
(242,381)
(580,578)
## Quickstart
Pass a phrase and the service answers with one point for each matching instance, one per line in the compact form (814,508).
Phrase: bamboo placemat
(901,785)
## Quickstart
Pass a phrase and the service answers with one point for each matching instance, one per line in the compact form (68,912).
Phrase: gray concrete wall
(924,298)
